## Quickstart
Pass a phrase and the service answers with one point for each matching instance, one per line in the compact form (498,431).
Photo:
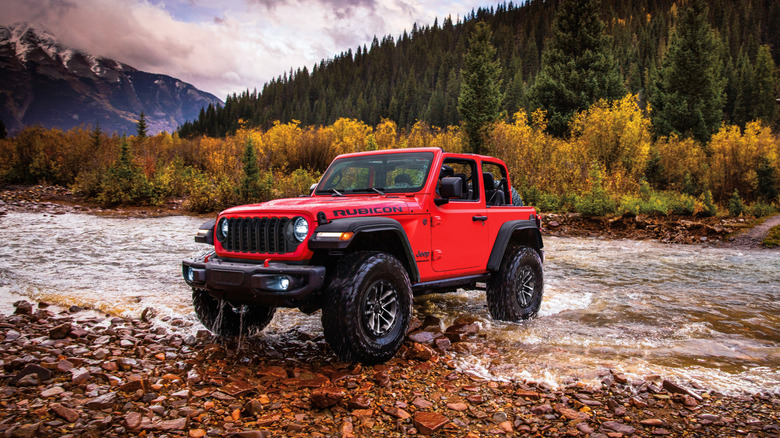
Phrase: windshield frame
(376,164)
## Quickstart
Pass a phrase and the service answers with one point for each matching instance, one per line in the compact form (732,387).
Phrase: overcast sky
(226,46)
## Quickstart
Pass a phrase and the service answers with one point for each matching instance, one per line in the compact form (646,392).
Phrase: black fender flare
(206,232)
(529,232)
(364,225)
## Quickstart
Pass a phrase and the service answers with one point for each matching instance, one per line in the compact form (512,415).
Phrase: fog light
(280,283)
(188,274)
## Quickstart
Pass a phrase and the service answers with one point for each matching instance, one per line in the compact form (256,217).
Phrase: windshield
(383,173)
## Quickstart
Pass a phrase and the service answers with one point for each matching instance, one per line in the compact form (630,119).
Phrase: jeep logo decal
(422,254)
(369,210)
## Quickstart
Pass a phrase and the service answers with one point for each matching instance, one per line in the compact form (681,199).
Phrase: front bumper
(249,283)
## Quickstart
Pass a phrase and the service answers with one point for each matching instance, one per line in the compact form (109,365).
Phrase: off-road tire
(207,308)
(514,293)
(517,201)
(350,315)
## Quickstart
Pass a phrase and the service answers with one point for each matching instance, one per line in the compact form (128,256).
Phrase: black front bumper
(249,283)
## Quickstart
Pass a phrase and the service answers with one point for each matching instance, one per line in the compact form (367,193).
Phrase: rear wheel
(224,319)
(368,309)
(514,293)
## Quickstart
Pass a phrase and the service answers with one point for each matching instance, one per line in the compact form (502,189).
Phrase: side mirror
(451,187)
(311,189)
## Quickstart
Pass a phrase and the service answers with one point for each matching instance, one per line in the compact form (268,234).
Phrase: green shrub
(88,183)
(736,206)
(661,203)
(202,193)
(760,209)
(710,209)
(125,182)
(597,201)
(772,239)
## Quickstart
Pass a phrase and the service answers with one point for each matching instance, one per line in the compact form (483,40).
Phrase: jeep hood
(333,207)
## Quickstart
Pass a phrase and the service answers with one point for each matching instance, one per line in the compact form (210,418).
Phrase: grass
(772,239)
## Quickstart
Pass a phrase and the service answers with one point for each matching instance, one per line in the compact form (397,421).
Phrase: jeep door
(459,233)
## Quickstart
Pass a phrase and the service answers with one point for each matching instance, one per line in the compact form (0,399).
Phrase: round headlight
(223,229)
(300,228)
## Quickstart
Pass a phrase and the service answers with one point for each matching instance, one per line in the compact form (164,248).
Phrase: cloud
(242,44)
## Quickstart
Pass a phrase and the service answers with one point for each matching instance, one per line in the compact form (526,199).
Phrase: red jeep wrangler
(377,229)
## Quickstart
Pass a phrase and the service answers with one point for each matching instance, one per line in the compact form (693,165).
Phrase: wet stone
(428,423)
(328,396)
(60,331)
(104,401)
(69,415)
(42,374)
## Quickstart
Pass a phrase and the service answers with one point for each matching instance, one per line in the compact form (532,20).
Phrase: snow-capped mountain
(43,82)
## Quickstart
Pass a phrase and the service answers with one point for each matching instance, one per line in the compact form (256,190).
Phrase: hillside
(416,76)
(43,82)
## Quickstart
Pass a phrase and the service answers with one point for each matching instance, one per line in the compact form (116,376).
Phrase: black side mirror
(451,187)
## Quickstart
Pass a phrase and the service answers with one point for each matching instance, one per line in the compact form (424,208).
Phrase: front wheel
(368,309)
(514,293)
(224,319)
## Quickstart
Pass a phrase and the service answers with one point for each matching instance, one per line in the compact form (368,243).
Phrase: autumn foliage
(608,164)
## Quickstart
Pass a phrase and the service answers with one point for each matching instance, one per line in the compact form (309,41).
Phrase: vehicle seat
(465,184)
(492,196)
(403,180)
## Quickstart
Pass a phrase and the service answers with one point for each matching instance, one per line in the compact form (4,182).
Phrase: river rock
(51,392)
(60,331)
(361,401)
(428,423)
(677,389)
(420,352)
(104,401)
(570,414)
(70,415)
(328,396)
(422,337)
(616,426)
(26,431)
(41,374)
(23,308)
(460,407)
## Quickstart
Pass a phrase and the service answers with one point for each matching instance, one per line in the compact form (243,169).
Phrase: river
(707,316)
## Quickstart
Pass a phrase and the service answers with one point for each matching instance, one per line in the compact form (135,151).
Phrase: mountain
(43,82)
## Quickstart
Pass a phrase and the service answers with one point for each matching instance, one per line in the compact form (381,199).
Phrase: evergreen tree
(125,182)
(765,107)
(689,92)
(96,137)
(251,189)
(141,127)
(767,180)
(577,68)
(479,104)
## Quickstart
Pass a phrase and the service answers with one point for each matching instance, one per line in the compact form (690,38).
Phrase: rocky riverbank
(665,229)
(74,373)
(59,200)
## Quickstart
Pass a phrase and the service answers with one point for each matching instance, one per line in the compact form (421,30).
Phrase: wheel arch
(518,232)
(370,233)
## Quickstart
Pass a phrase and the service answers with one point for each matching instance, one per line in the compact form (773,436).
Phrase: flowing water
(705,315)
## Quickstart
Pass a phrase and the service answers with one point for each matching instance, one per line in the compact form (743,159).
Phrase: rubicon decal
(368,210)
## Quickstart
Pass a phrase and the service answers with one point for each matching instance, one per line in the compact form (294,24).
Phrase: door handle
(479,218)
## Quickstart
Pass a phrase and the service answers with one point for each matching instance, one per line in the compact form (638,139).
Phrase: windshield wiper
(369,189)
(334,191)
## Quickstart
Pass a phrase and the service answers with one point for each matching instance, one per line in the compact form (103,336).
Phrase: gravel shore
(73,373)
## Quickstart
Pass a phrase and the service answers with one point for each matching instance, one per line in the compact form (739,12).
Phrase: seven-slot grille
(264,235)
